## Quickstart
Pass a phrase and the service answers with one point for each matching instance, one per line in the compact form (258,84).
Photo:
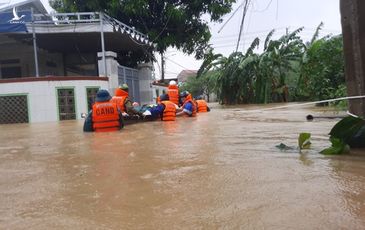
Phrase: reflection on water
(219,170)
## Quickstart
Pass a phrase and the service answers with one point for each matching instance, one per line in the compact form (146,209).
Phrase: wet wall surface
(220,170)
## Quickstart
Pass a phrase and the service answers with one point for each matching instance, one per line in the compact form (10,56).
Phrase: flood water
(220,170)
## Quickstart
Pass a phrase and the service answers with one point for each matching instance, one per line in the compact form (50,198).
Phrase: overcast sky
(262,17)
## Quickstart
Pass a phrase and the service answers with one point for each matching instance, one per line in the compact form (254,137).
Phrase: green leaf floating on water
(304,140)
(343,133)
(282,146)
(338,147)
(346,128)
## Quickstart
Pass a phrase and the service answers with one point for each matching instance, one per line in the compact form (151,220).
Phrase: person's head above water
(102,95)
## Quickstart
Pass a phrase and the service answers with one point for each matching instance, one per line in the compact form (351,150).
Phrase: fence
(130,77)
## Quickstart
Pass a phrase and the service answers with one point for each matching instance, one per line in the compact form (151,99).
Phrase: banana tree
(277,61)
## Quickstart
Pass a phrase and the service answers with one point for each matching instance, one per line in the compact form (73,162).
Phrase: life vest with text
(105,117)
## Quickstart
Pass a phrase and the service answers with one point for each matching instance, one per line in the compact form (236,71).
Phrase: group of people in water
(108,113)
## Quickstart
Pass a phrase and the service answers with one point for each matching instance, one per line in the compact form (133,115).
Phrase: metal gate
(66,104)
(14,109)
(129,76)
(90,96)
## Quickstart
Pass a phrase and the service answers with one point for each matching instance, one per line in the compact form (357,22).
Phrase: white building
(57,76)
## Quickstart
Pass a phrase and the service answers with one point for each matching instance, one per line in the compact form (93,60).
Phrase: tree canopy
(168,23)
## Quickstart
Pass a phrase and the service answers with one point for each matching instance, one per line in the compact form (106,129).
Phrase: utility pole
(245,8)
(34,45)
(101,18)
(162,68)
(353,30)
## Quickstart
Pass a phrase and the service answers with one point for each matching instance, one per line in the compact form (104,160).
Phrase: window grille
(14,109)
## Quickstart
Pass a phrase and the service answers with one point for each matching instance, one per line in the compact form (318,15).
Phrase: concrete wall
(42,98)
(145,83)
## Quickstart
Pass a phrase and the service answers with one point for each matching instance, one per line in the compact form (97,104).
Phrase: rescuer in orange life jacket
(201,105)
(123,102)
(104,116)
(165,109)
(189,107)
(173,92)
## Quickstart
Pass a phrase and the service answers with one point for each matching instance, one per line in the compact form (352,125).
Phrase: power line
(267,7)
(230,18)
(305,29)
(231,39)
(185,69)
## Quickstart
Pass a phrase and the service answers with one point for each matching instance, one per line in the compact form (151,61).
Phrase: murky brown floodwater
(219,170)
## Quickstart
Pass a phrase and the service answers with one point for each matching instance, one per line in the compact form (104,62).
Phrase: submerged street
(218,170)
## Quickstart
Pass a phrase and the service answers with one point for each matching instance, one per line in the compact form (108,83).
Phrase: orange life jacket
(169,113)
(202,106)
(187,100)
(173,92)
(158,100)
(105,117)
(119,99)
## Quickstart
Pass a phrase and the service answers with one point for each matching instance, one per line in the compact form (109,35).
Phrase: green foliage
(338,147)
(343,134)
(287,69)
(322,70)
(347,128)
(256,78)
(172,23)
(304,141)
(202,85)
(349,131)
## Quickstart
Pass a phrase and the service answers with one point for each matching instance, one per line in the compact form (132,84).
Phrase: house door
(66,104)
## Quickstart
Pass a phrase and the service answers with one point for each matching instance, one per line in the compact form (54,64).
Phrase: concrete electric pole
(353,30)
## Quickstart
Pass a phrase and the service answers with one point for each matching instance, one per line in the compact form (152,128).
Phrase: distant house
(51,69)
(160,86)
(185,74)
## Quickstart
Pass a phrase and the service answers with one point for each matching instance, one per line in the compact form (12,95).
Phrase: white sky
(262,17)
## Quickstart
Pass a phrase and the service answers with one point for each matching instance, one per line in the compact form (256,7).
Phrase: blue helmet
(184,94)
(164,97)
(102,95)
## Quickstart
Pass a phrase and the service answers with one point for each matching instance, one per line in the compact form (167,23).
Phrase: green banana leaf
(304,141)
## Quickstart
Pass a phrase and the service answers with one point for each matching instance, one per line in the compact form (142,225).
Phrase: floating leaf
(282,146)
(338,147)
(347,128)
(304,140)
